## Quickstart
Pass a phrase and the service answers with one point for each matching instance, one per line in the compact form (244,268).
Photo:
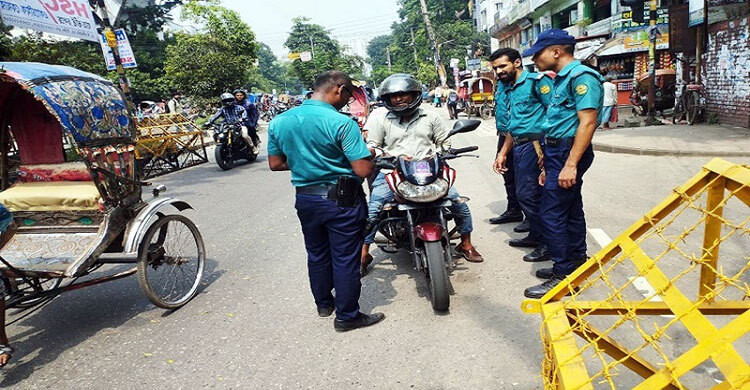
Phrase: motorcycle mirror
(464,126)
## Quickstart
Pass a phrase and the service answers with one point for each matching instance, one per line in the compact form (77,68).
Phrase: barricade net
(167,143)
(661,306)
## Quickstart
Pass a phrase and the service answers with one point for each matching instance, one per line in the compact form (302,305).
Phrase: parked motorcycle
(230,146)
(418,218)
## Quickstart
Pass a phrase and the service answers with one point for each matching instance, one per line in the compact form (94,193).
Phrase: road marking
(600,236)
(639,282)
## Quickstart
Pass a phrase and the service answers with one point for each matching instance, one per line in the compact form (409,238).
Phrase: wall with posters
(725,71)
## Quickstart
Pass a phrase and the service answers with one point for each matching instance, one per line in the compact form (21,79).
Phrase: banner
(71,18)
(697,14)
(639,41)
(123,46)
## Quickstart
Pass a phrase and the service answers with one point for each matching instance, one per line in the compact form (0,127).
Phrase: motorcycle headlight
(423,194)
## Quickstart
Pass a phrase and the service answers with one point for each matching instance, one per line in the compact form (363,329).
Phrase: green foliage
(216,60)
(327,52)
(84,55)
(455,36)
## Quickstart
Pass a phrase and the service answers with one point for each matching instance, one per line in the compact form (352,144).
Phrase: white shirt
(610,94)
(419,137)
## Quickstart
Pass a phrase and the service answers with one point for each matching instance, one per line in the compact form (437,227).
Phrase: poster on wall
(64,17)
(697,13)
(123,46)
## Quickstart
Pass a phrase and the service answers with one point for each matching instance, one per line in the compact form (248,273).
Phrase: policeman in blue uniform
(328,159)
(577,97)
(513,212)
(528,94)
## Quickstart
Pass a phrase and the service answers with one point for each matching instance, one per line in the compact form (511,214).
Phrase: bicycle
(691,105)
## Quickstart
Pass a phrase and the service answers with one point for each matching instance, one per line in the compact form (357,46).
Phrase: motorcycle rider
(408,130)
(231,112)
(252,114)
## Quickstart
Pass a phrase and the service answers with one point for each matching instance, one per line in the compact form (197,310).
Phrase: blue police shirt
(319,143)
(502,116)
(577,87)
(529,97)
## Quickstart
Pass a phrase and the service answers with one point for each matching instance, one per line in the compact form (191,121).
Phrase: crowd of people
(545,126)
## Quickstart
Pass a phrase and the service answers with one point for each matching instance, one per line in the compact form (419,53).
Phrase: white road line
(600,236)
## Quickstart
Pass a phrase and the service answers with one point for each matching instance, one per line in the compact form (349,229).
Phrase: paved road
(254,325)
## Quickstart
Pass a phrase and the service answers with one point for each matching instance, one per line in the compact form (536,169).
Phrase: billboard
(71,18)
(697,13)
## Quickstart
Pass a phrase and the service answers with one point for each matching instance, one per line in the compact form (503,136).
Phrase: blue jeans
(528,190)
(381,194)
(561,210)
(333,239)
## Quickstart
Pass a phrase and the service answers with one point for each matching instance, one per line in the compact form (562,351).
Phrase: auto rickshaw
(479,97)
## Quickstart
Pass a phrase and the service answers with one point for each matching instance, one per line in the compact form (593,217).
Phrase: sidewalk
(676,140)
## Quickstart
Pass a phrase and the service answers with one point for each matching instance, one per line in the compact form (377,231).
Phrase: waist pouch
(347,191)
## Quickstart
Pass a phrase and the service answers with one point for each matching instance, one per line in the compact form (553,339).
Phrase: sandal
(6,349)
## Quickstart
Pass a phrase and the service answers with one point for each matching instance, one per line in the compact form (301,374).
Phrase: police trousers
(528,190)
(561,211)
(333,239)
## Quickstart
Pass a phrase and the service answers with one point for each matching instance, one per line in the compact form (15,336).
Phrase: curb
(600,147)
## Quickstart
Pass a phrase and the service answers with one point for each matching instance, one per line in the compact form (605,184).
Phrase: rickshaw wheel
(44,284)
(485,112)
(691,106)
(171,260)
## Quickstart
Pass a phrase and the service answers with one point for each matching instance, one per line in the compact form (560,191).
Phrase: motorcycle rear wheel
(223,159)
(437,275)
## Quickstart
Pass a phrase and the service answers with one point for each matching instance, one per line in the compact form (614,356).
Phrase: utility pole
(388,56)
(414,48)
(431,36)
(112,43)
(652,63)
(312,48)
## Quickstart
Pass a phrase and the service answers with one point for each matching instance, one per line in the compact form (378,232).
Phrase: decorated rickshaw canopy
(89,107)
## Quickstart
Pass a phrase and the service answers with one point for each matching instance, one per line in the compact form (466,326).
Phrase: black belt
(526,138)
(321,190)
(557,142)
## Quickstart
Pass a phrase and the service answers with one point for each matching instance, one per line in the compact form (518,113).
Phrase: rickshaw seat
(51,196)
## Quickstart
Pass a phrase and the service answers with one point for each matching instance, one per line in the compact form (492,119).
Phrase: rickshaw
(480,96)
(70,178)
(664,96)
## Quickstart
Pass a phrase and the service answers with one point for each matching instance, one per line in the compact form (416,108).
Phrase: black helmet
(401,83)
(227,98)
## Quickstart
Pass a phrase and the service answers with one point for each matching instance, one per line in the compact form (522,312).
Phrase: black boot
(363,320)
(546,273)
(539,254)
(510,215)
(525,242)
(523,227)
(538,291)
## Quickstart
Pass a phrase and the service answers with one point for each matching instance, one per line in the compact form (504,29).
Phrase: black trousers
(509,177)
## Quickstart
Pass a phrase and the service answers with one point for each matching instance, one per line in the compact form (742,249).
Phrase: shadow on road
(74,317)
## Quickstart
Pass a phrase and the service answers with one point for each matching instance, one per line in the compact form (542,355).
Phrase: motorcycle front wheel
(223,158)
(437,275)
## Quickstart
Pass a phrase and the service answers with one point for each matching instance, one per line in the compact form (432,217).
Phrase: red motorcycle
(418,217)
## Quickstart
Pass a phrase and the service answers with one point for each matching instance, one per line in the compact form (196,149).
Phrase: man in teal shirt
(513,211)
(577,97)
(328,159)
(528,97)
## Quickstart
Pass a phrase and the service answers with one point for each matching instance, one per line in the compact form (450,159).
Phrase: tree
(216,60)
(327,53)
(83,55)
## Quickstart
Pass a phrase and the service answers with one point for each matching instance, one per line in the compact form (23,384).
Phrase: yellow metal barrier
(167,143)
(629,320)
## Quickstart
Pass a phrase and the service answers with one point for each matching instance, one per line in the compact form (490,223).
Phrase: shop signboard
(545,22)
(638,41)
(697,13)
(624,21)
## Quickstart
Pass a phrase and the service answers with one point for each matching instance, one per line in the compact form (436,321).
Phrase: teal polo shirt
(529,97)
(502,101)
(576,88)
(319,143)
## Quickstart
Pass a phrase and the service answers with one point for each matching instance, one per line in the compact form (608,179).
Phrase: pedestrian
(328,159)
(528,95)
(609,109)
(513,211)
(174,105)
(408,130)
(569,125)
